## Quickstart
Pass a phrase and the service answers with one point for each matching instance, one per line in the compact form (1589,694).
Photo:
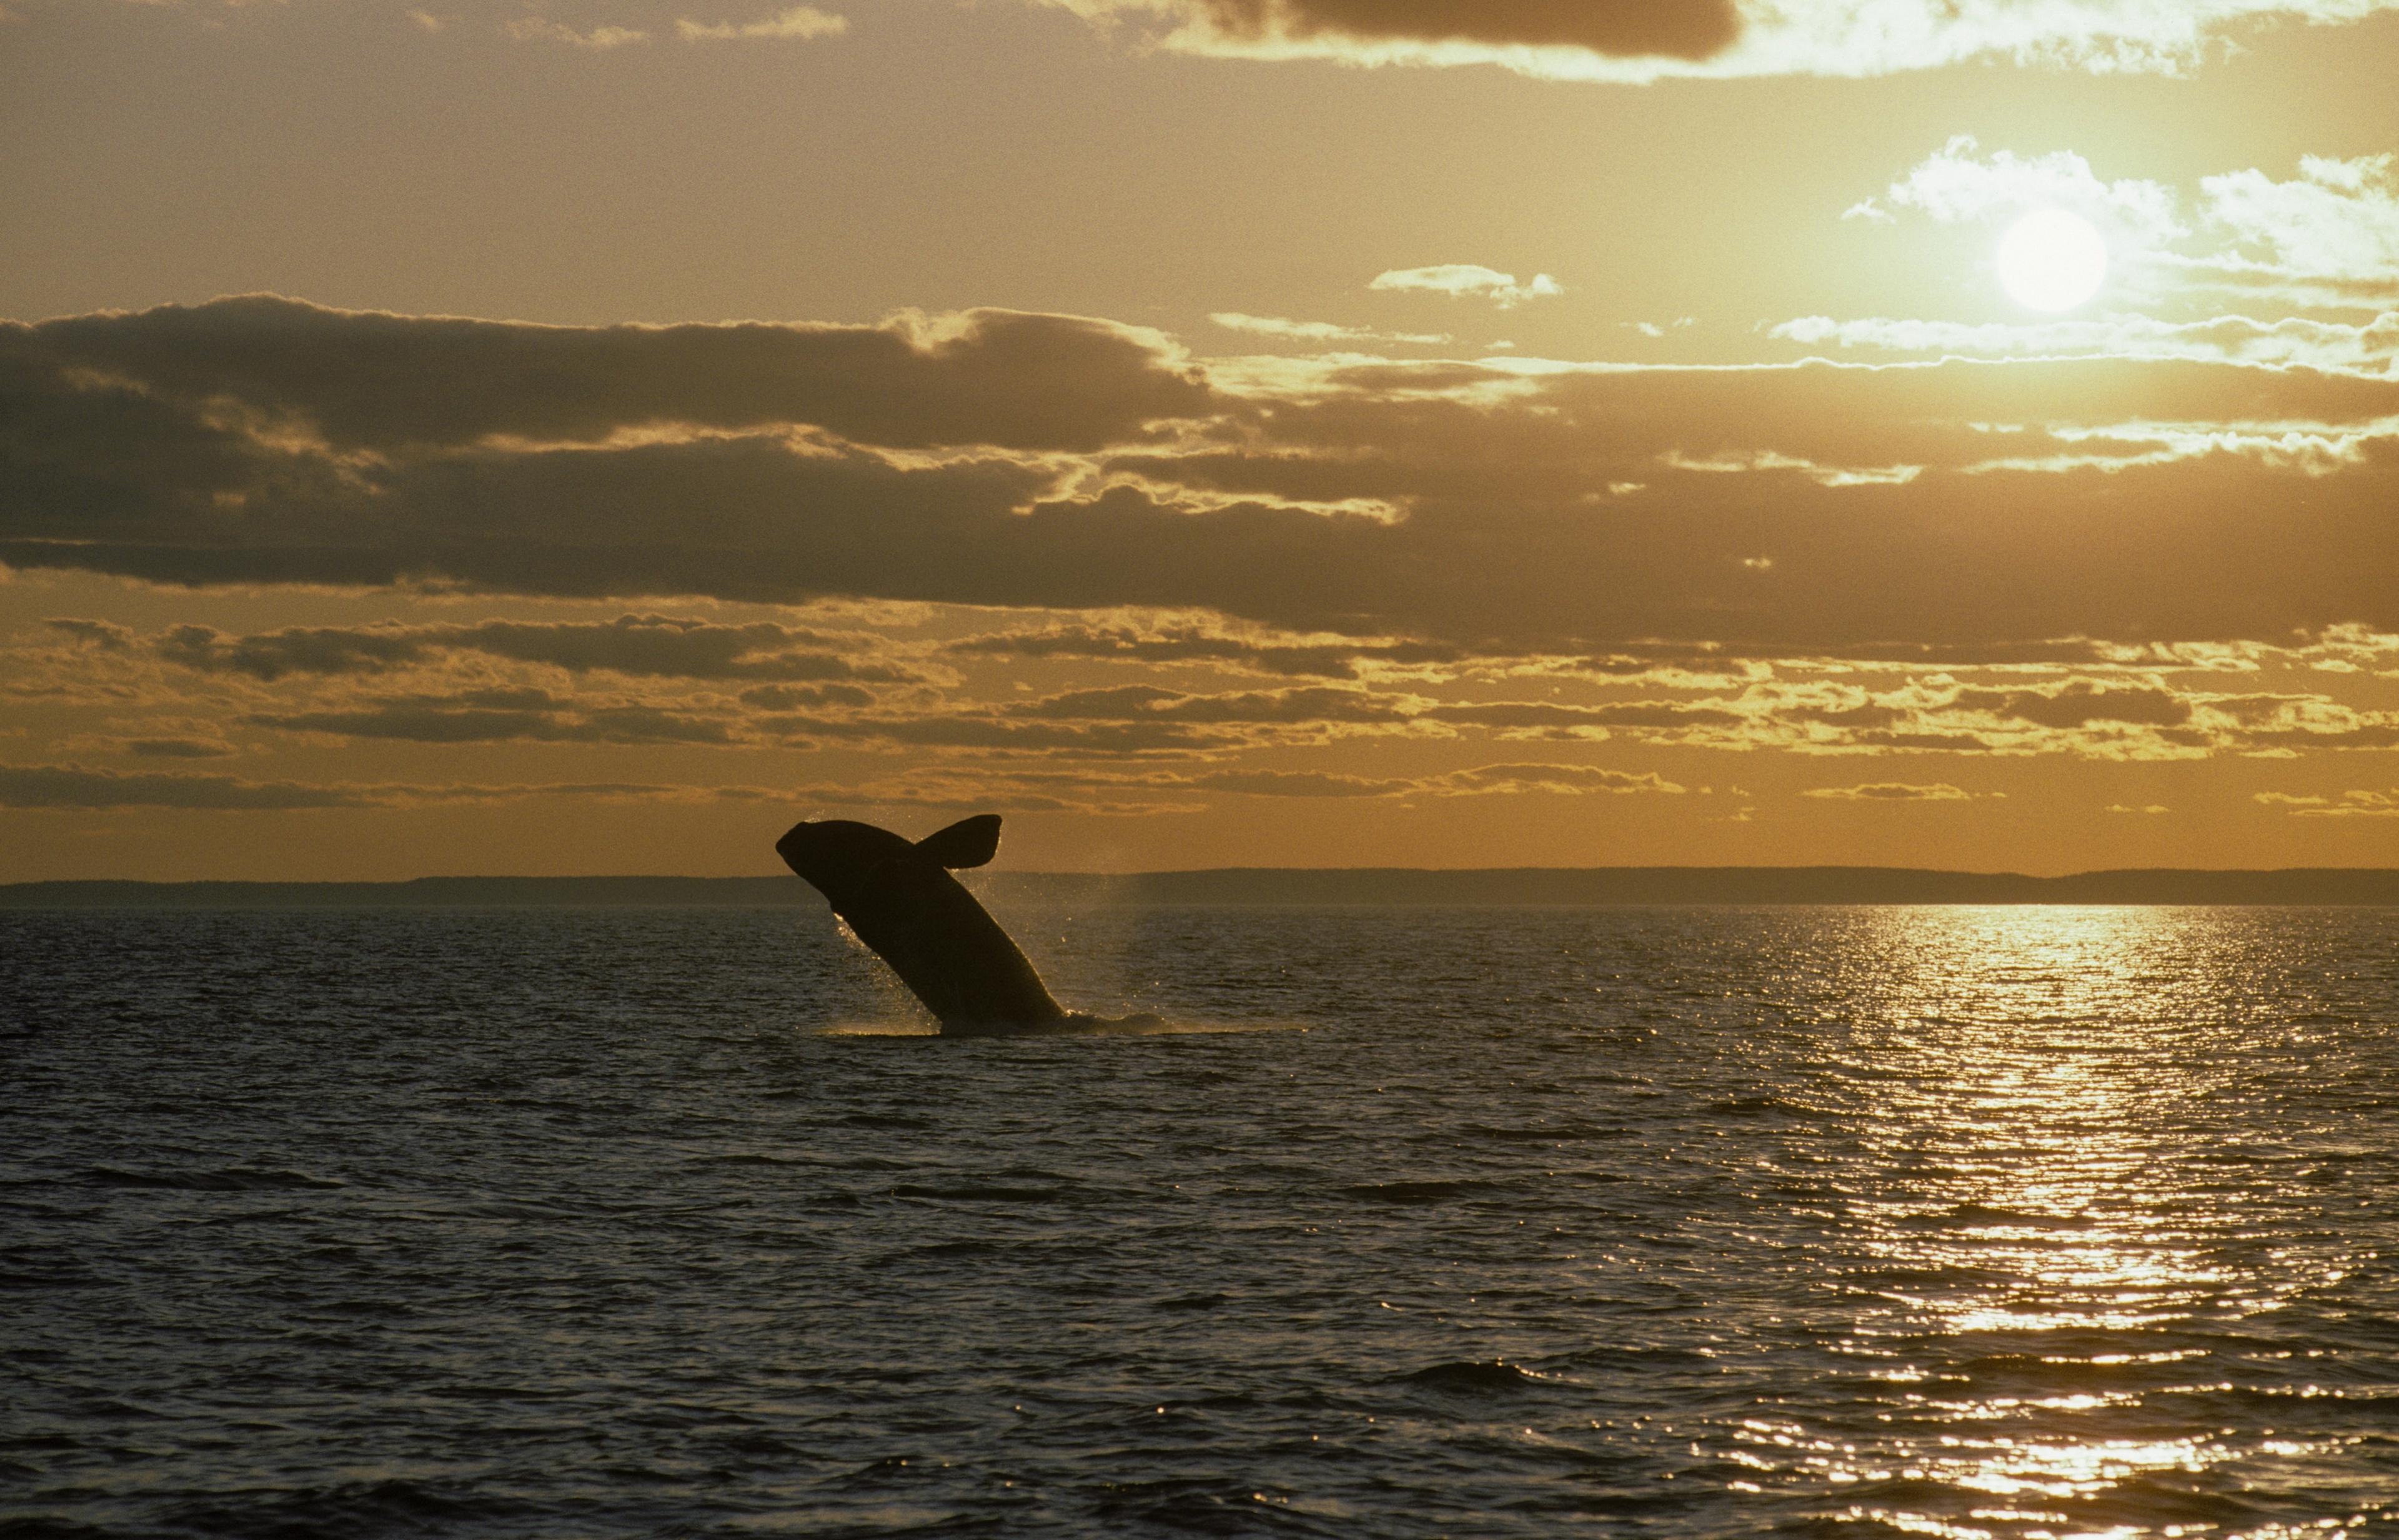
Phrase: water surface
(2015,1221)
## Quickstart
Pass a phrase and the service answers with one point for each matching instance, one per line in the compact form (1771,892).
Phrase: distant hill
(1566,886)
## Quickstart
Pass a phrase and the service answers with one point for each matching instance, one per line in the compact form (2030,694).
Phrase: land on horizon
(1560,887)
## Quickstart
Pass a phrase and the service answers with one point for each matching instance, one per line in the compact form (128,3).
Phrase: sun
(2051,260)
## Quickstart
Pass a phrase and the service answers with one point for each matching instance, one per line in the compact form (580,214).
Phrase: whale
(897,896)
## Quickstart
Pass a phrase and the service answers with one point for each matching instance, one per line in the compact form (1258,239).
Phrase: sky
(587,436)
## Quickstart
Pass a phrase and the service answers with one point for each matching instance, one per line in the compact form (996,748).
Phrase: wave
(1984,1216)
(1489,1377)
(979,1193)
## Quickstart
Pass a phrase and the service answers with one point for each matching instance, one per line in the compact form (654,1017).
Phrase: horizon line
(1593,887)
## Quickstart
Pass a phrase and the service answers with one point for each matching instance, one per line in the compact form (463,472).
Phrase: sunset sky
(580,437)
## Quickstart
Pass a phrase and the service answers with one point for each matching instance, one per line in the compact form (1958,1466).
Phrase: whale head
(835,855)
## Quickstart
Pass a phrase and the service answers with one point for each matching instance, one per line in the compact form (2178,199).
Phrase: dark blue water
(1951,1222)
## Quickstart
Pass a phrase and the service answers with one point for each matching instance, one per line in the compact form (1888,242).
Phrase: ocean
(1679,1221)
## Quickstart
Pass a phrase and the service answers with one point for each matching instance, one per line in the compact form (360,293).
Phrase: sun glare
(2051,260)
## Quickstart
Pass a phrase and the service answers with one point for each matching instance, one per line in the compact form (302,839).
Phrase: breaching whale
(899,899)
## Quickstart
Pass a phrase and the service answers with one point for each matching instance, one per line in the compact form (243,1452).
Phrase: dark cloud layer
(1680,29)
(2080,703)
(1193,644)
(640,645)
(496,716)
(179,749)
(1959,509)
(1644,40)
(372,380)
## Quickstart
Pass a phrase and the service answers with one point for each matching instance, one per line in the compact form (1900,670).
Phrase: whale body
(899,897)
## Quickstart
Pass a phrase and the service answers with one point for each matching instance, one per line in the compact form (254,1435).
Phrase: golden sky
(585,436)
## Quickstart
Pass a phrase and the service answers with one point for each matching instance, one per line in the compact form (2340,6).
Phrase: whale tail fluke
(969,842)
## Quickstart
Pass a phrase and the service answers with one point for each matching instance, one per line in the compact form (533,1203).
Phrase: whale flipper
(968,843)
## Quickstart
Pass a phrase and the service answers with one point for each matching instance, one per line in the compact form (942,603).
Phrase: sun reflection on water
(2046,1276)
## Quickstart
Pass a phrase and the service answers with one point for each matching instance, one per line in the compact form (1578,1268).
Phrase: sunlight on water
(2030,1173)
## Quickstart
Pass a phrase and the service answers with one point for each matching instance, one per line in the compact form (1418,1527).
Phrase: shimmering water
(2005,1222)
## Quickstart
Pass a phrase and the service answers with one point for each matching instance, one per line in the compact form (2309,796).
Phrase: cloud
(2351,804)
(1467,280)
(1511,715)
(1320,331)
(1313,705)
(2078,703)
(2328,237)
(498,716)
(793,698)
(2338,219)
(1572,779)
(1320,707)
(1299,783)
(355,380)
(2370,347)
(1892,792)
(797,23)
(640,645)
(2133,715)
(1957,184)
(1170,746)
(1198,643)
(1523,34)
(527,29)
(105,635)
(1633,42)
(179,749)
(301,650)
(1135,738)
(1056,464)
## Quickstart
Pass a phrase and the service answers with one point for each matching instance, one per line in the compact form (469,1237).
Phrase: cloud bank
(1062,463)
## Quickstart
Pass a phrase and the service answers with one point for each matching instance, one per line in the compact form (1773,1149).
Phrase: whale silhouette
(899,899)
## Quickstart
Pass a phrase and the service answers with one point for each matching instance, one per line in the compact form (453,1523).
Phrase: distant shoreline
(1521,887)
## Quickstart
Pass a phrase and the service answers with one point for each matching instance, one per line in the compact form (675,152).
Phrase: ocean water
(2010,1221)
